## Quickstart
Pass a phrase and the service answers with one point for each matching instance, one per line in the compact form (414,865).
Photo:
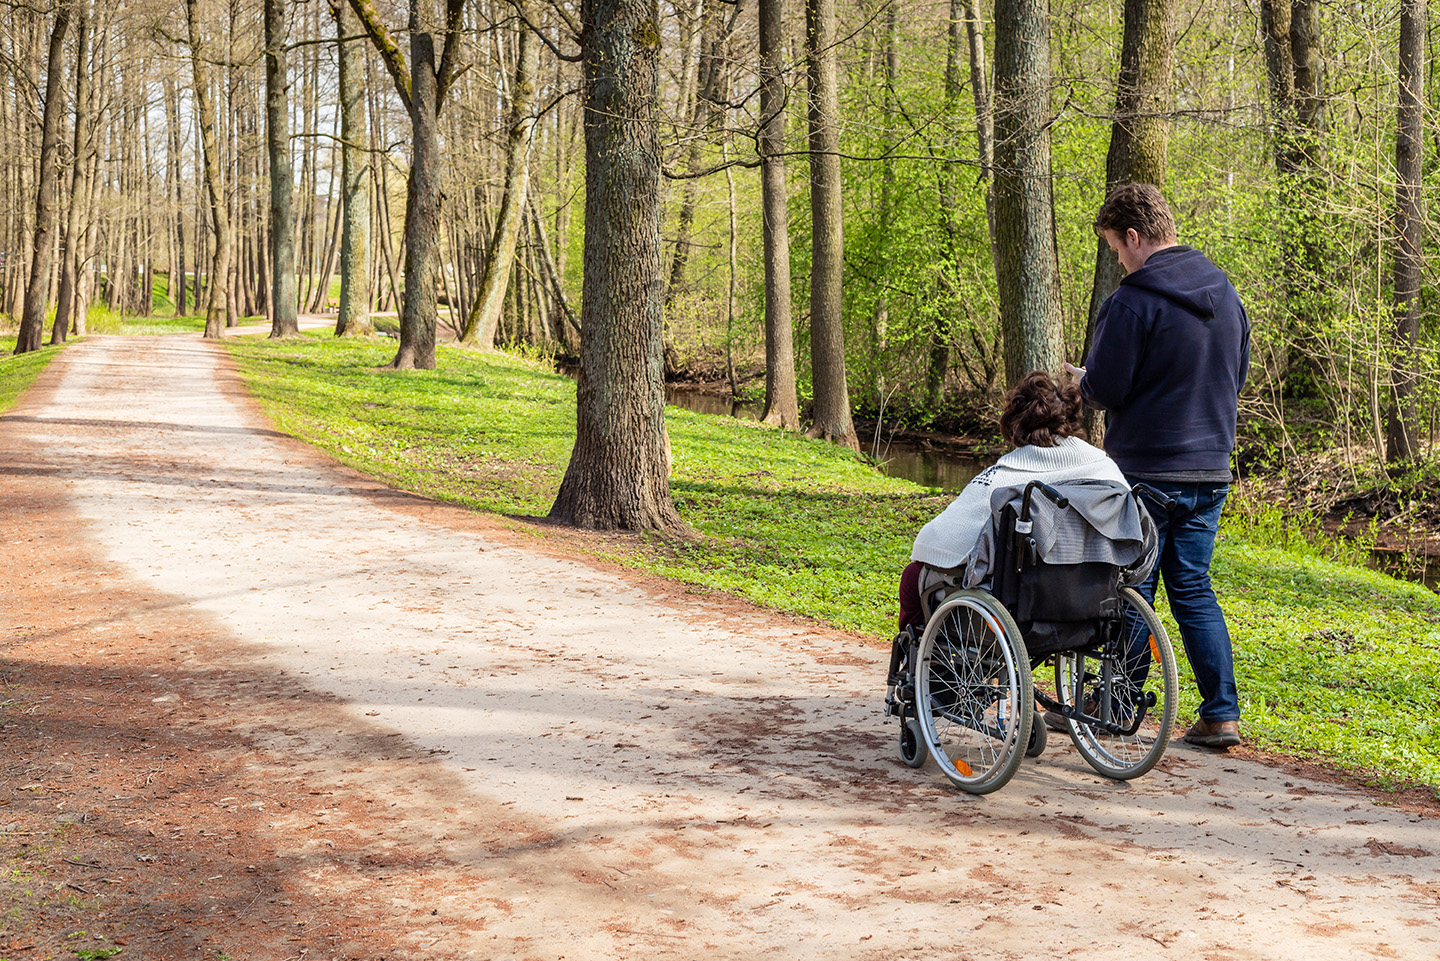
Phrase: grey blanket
(1104,522)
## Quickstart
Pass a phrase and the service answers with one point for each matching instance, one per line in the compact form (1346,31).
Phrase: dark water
(942,469)
(1420,568)
(703,403)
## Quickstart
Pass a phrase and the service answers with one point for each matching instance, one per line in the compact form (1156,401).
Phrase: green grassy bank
(1335,662)
(17,373)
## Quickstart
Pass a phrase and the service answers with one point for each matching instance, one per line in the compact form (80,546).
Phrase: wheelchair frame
(1116,690)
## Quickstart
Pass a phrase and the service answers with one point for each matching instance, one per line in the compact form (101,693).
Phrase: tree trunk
(618,475)
(334,215)
(1139,133)
(285,321)
(568,327)
(1401,435)
(422,90)
(732,313)
(422,213)
(708,73)
(84,277)
(32,321)
(500,259)
(880,316)
(782,408)
(172,110)
(66,300)
(984,104)
(1139,137)
(964,16)
(25,115)
(217,307)
(1291,31)
(354,313)
(1025,267)
(379,174)
(231,124)
(827,334)
(145,219)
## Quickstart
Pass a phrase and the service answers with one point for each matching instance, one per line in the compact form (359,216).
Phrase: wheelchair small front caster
(1038,737)
(912,745)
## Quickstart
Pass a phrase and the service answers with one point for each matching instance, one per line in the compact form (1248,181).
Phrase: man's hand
(1073,371)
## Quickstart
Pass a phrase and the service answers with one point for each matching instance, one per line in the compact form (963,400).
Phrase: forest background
(141,146)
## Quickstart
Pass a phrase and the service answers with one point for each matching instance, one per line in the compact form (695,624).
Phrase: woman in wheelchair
(1033,563)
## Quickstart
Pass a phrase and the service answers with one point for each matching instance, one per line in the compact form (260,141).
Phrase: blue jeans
(1187,542)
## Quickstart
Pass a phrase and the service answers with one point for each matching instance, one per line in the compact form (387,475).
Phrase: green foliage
(1298,533)
(18,372)
(1334,661)
(162,325)
(100,319)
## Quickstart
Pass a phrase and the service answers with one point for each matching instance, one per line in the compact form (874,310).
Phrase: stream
(899,458)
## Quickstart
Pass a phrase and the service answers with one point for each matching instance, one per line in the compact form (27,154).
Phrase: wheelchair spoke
(973,689)
(1127,692)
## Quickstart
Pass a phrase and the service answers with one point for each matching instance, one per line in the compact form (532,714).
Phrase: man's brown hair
(1039,411)
(1140,207)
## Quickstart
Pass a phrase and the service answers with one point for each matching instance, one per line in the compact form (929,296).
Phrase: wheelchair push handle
(1024,548)
(1054,496)
(1161,500)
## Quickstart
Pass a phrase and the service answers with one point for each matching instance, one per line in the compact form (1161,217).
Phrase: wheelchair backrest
(1057,606)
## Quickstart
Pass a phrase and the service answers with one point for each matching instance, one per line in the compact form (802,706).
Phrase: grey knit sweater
(946,540)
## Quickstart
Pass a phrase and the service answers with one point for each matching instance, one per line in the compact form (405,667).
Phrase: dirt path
(283,713)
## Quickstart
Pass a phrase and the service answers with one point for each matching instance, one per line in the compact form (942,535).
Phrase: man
(1170,353)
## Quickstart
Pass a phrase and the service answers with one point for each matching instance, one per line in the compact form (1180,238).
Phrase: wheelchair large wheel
(1130,692)
(973,693)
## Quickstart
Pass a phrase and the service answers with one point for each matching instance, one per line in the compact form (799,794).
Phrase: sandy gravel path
(607,767)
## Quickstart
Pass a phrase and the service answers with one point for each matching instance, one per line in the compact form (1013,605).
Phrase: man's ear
(1132,237)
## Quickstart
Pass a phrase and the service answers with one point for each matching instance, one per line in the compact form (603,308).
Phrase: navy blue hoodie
(1170,353)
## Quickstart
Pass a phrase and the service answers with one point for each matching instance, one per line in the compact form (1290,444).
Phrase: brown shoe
(1221,734)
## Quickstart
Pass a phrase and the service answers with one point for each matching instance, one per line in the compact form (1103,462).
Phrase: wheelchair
(965,691)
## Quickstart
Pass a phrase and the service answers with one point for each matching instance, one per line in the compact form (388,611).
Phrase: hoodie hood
(1184,276)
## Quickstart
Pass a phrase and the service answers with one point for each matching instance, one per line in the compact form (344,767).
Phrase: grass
(102,320)
(1335,662)
(17,373)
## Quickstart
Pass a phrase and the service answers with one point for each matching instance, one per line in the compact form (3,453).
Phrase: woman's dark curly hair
(1039,411)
